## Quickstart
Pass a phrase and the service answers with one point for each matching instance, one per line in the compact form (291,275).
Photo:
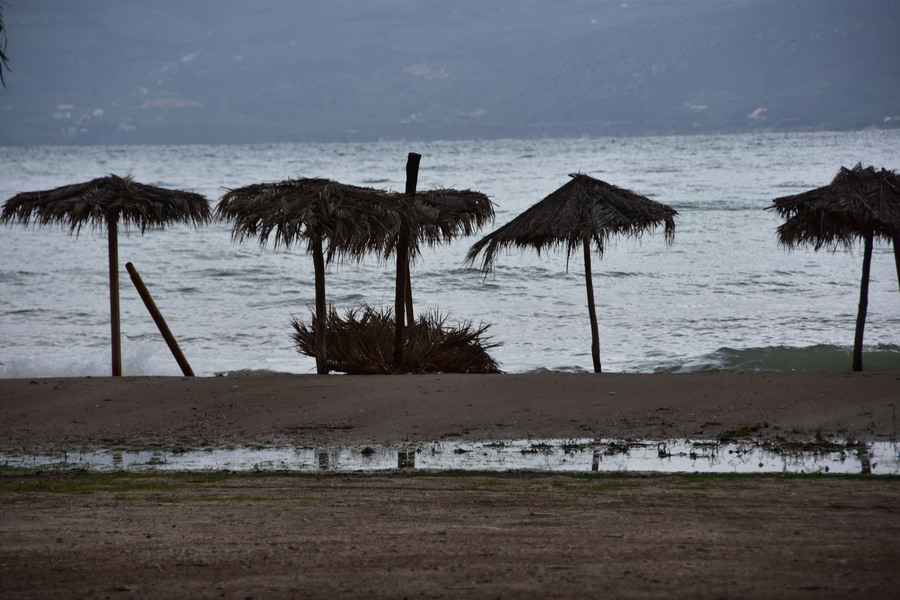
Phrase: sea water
(723,296)
(556,455)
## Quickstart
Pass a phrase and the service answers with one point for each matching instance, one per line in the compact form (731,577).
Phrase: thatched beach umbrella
(335,220)
(437,216)
(104,202)
(582,212)
(859,203)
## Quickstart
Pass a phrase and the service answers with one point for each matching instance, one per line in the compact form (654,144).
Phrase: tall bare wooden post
(321,309)
(589,284)
(412,177)
(112,221)
(863,304)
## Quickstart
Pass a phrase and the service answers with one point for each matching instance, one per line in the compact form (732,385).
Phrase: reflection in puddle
(324,461)
(668,456)
(406,459)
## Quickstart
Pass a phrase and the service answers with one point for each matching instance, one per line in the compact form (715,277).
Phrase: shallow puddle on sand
(570,455)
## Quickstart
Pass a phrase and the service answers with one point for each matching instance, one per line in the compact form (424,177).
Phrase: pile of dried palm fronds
(362,343)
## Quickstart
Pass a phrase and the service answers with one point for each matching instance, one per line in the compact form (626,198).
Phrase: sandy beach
(42,414)
(445,535)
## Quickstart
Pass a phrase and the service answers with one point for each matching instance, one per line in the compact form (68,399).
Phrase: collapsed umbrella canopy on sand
(335,220)
(583,212)
(104,202)
(859,203)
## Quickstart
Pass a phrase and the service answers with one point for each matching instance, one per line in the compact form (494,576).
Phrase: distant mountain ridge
(223,71)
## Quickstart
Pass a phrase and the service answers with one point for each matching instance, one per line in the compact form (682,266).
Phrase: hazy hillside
(209,71)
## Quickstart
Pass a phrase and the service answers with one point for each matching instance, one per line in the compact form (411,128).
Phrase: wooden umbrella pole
(114,295)
(410,315)
(863,305)
(399,299)
(589,284)
(158,319)
(321,316)
(403,241)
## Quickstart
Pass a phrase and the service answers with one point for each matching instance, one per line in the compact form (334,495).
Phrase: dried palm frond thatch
(335,220)
(859,204)
(104,202)
(582,212)
(353,221)
(446,214)
(362,343)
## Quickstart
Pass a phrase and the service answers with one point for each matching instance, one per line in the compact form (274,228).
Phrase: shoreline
(58,413)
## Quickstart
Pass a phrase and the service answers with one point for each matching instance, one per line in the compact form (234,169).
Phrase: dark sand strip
(46,413)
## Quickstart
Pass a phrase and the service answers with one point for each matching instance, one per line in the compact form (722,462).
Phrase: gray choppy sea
(724,296)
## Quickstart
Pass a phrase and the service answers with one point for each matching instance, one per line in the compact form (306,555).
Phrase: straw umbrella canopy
(859,203)
(335,220)
(446,214)
(104,202)
(584,212)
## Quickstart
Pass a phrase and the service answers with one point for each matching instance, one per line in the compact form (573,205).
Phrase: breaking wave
(785,359)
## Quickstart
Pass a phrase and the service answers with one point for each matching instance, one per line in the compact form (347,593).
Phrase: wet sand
(439,536)
(42,414)
(445,535)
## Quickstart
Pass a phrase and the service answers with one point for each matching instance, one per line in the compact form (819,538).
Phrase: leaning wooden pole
(171,342)
(321,316)
(589,284)
(863,305)
(403,242)
(116,330)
